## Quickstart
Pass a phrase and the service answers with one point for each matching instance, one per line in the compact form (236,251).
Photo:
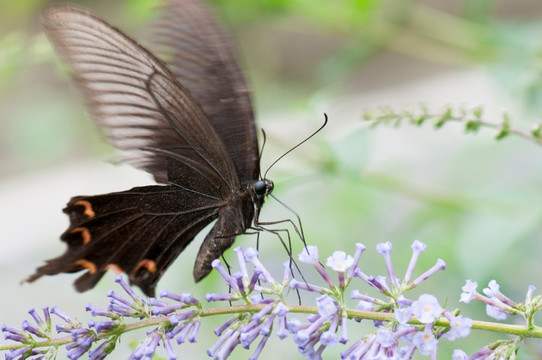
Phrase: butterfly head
(263,187)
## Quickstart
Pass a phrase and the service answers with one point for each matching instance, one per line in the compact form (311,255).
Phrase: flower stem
(523,331)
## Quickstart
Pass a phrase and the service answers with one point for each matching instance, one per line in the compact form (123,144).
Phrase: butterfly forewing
(114,74)
(201,56)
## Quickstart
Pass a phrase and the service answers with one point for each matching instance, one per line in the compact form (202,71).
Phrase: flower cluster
(172,320)
(413,323)
(403,326)
(245,328)
(499,307)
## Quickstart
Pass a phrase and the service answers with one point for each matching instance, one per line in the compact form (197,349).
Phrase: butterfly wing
(159,127)
(139,232)
(114,74)
(201,56)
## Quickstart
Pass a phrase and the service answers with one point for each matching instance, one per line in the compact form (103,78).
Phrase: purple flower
(294,325)
(18,352)
(294,284)
(96,311)
(184,298)
(134,307)
(403,301)
(340,262)
(329,338)
(360,348)
(71,323)
(459,327)
(326,306)
(55,310)
(14,334)
(26,326)
(530,292)
(219,330)
(251,256)
(487,352)
(102,326)
(302,337)
(82,342)
(425,341)
(493,291)
(417,248)
(459,355)
(365,306)
(440,265)
(217,265)
(307,336)
(386,338)
(43,327)
(227,346)
(120,280)
(403,315)
(195,325)
(385,249)
(242,262)
(180,332)
(406,332)
(469,291)
(360,248)
(343,339)
(220,297)
(181,317)
(374,282)
(259,348)
(287,265)
(498,306)
(146,349)
(426,308)
(366,302)
(167,345)
(497,313)
(177,317)
(309,255)
(281,310)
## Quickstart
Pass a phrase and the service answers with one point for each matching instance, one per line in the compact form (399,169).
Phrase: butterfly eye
(260,187)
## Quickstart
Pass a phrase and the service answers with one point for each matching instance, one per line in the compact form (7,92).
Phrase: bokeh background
(474,201)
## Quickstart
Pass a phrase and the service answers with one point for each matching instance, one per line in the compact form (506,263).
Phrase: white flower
(309,255)
(339,261)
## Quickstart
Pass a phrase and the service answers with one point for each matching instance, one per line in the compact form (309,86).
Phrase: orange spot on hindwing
(147,264)
(114,267)
(85,234)
(88,207)
(87,265)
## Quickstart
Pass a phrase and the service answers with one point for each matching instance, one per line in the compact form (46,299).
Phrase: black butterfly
(190,125)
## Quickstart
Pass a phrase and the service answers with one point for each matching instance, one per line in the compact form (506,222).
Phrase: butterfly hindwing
(139,232)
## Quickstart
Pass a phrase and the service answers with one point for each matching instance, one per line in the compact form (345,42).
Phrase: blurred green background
(474,201)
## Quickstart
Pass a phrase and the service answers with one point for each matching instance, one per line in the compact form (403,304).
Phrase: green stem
(523,331)
(523,134)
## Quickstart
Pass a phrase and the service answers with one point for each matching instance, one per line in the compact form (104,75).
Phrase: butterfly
(189,123)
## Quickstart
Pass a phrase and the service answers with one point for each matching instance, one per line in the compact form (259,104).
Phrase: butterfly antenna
(261,151)
(298,145)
